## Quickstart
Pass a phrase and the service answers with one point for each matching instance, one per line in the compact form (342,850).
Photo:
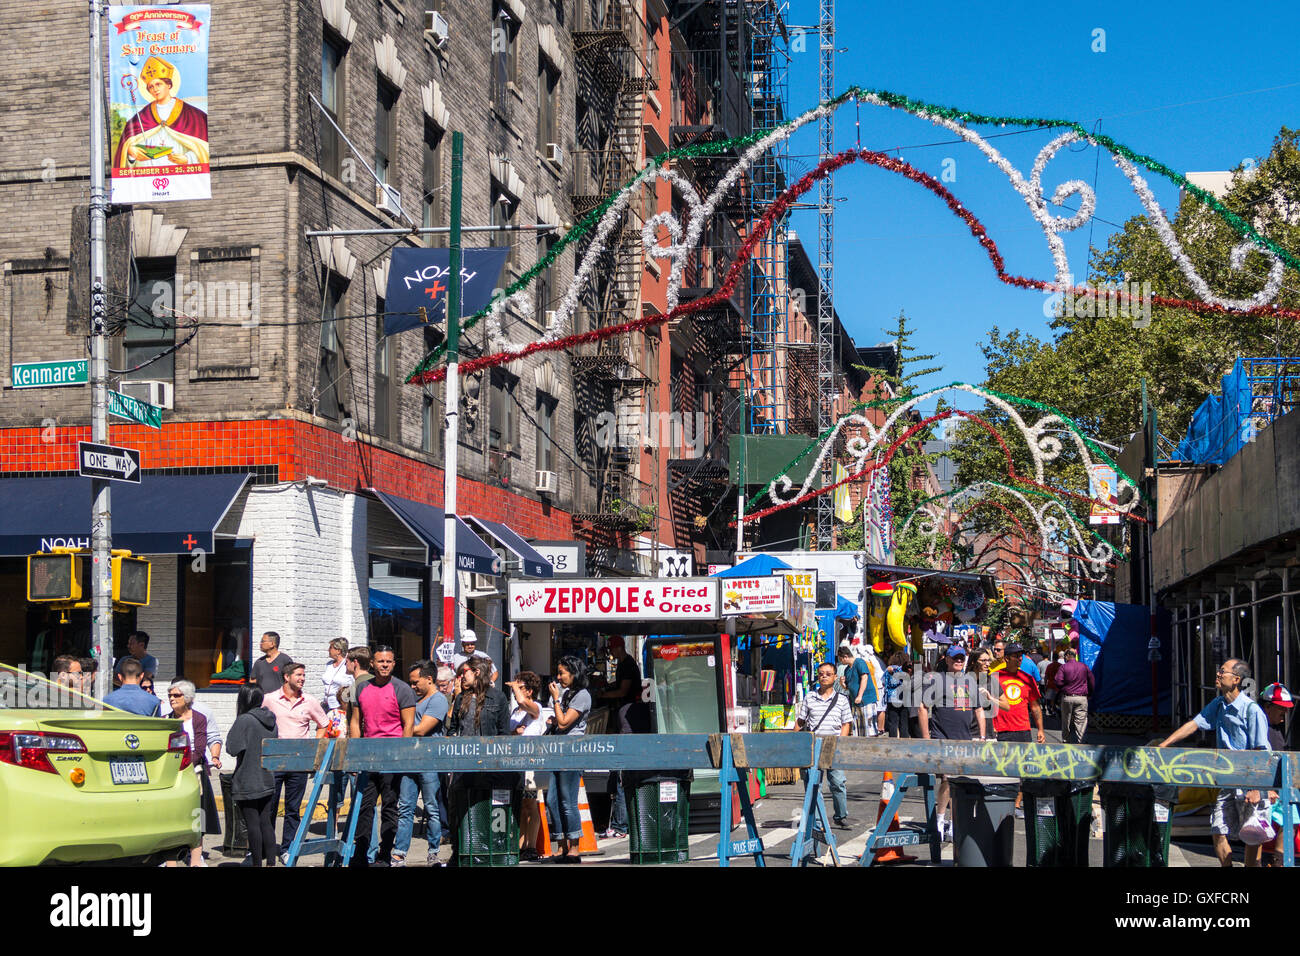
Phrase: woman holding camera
(570,703)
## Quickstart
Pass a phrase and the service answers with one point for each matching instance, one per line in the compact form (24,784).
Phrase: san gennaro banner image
(158,103)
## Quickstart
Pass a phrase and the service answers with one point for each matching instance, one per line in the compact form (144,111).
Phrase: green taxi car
(82,783)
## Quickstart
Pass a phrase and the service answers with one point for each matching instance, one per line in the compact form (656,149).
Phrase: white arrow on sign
(123,464)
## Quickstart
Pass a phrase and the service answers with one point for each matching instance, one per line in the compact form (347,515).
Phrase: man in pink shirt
(296,716)
(385,708)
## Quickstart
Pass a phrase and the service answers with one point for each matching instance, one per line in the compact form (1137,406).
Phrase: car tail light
(33,750)
(180,742)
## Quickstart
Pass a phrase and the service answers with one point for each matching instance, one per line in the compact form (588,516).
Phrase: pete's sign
(612,599)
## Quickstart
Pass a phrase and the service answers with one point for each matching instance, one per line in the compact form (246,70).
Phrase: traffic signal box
(61,578)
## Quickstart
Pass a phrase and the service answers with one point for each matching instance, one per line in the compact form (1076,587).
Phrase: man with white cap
(469,644)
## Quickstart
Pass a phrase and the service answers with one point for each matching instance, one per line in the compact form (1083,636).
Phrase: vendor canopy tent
(1113,643)
(759,565)
(845,610)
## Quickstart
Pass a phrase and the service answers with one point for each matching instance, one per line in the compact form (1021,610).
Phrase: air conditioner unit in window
(550,319)
(435,28)
(548,482)
(388,199)
(153,392)
(555,154)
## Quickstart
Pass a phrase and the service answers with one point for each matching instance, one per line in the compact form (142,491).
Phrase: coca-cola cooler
(693,694)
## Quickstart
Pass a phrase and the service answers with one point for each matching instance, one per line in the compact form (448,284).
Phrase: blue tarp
(760,565)
(1113,644)
(383,601)
(1215,433)
(845,610)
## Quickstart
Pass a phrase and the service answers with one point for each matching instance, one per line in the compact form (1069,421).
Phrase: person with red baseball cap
(1276,701)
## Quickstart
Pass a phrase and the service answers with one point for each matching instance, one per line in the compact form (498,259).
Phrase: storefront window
(397,609)
(216,605)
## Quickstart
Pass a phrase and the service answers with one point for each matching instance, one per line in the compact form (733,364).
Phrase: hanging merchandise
(882,594)
(904,593)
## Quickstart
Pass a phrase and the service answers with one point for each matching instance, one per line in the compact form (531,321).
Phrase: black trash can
(1058,820)
(659,817)
(488,834)
(983,821)
(235,839)
(1139,820)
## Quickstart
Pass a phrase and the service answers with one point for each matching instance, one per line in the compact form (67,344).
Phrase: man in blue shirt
(130,697)
(860,688)
(137,646)
(1238,723)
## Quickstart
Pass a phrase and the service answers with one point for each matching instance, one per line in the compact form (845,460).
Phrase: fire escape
(616,68)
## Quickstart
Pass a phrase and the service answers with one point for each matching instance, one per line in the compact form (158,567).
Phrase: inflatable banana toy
(918,638)
(904,594)
(881,594)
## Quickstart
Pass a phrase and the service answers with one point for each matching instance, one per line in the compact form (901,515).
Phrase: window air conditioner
(435,28)
(388,199)
(549,319)
(555,154)
(153,392)
(548,482)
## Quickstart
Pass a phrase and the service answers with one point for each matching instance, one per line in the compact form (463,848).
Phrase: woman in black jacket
(479,710)
(253,786)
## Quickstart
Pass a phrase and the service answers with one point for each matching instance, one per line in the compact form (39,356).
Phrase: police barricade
(731,754)
(1138,766)
(734,754)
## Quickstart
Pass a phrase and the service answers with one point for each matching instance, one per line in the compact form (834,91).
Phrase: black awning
(534,563)
(163,514)
(887,571)
(426,523)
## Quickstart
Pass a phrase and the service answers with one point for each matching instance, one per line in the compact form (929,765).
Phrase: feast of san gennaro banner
(158,103)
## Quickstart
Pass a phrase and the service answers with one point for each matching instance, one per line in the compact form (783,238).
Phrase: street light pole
(449,615)
(101,523)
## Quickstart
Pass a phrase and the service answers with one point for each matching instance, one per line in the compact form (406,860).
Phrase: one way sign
(108,461)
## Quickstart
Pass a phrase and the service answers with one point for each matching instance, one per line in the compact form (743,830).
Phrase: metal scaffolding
(769,266)
(826,268)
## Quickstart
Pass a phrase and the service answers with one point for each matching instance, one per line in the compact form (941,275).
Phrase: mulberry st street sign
(132,409)
(49,374)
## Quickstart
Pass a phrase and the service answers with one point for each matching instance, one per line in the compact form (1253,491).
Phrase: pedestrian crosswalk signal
(55,577)
(131,578)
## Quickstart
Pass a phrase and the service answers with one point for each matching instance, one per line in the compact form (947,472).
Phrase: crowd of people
(999,690)
(995,690)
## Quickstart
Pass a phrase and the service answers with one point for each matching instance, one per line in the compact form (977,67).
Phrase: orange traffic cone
(889,854)
(543,831)
(588,842)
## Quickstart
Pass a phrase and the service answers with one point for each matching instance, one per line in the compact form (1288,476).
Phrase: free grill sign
(607,599)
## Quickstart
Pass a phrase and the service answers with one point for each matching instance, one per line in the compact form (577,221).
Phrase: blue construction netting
(1255,392)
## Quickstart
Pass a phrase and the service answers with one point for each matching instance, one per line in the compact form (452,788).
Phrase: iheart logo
(161,182)
(669,652)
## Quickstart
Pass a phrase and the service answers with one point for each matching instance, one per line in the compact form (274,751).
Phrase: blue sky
(1164,86)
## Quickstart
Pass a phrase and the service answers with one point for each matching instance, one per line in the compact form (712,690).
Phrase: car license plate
(128,771)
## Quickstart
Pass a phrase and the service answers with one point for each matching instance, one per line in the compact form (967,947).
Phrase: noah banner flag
(417,278)
(158,102)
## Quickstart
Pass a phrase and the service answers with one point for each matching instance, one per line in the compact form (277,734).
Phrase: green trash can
(489,830)
(1139,821)
(1058,818)
(658,812)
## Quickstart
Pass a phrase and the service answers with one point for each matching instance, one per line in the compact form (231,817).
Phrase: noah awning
(163,514)
(426,523)
(533,565)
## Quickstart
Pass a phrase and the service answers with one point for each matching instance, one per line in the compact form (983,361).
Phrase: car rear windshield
(20,690)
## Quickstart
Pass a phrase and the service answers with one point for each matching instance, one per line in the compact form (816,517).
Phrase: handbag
(1258,828)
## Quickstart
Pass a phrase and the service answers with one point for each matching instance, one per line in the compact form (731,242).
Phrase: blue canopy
(760,565)
(845,610)
(383,601)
